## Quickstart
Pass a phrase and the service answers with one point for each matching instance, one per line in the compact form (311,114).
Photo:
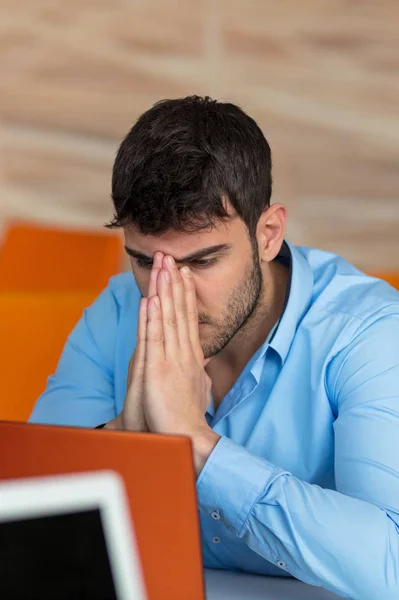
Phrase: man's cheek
(143,282)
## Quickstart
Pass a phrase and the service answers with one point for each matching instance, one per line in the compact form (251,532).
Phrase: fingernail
(166,276)
(170,260)
(156,301)
(186,272)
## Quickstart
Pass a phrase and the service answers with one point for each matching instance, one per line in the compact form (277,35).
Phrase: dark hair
(182,160)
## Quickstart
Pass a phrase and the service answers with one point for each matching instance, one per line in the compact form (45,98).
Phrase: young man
(281,363)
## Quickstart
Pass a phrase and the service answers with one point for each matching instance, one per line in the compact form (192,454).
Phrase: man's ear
(270,231)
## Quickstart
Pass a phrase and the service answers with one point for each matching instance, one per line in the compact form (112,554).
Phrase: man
(281,363)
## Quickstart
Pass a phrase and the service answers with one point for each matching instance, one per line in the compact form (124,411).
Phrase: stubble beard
(241,310)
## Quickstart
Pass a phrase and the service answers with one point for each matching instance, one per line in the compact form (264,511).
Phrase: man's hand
(176,386)
(132,416)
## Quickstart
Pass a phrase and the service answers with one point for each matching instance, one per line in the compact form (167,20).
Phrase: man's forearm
(319,536)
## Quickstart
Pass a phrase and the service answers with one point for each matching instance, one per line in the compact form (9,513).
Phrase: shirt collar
(298,297)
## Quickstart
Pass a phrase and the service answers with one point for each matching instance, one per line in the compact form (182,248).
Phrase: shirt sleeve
(345,540)
(81,392)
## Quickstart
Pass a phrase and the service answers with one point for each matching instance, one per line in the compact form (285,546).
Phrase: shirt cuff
(231,481)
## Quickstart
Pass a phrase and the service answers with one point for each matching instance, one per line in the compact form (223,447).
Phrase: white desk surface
(226,585)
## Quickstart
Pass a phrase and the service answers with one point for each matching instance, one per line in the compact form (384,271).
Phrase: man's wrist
(204,443)
(115,423)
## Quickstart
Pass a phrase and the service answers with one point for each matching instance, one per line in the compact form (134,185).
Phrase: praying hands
(168,388)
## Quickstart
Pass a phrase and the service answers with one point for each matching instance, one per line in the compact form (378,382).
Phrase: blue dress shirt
(305,478)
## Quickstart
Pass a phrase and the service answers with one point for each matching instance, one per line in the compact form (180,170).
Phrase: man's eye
(203,262)
(199,264)
(143,264)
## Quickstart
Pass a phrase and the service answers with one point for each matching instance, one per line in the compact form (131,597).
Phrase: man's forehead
(178,244)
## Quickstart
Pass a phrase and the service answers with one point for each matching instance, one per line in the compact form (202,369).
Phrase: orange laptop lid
(159,478)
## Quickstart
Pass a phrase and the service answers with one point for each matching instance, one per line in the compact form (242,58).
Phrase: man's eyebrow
(190,257)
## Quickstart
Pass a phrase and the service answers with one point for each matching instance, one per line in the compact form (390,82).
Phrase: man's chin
(207,352)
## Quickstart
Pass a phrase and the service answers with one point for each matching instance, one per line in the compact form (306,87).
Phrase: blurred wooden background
(320,77)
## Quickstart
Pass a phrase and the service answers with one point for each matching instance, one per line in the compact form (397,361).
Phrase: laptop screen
(55,557)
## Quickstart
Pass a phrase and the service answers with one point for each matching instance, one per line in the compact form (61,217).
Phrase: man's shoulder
(124,289)
(341,288)
(118,302)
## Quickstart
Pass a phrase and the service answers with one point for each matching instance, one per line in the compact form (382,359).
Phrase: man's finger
(132,413)
(142,329)
(155,352)
(169,318)
(192,312)
(136,367)
(179,302)
(156,267)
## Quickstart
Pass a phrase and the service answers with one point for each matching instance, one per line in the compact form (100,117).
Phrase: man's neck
(232,360)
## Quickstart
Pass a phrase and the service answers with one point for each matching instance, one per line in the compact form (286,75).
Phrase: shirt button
(215,514)
(281,564)
(216,540)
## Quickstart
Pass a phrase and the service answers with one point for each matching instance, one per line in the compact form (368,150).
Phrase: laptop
(67,536)
(160,483)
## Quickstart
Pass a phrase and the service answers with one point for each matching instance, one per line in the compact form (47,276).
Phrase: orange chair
(33,330)
(39,258)
(391,277)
